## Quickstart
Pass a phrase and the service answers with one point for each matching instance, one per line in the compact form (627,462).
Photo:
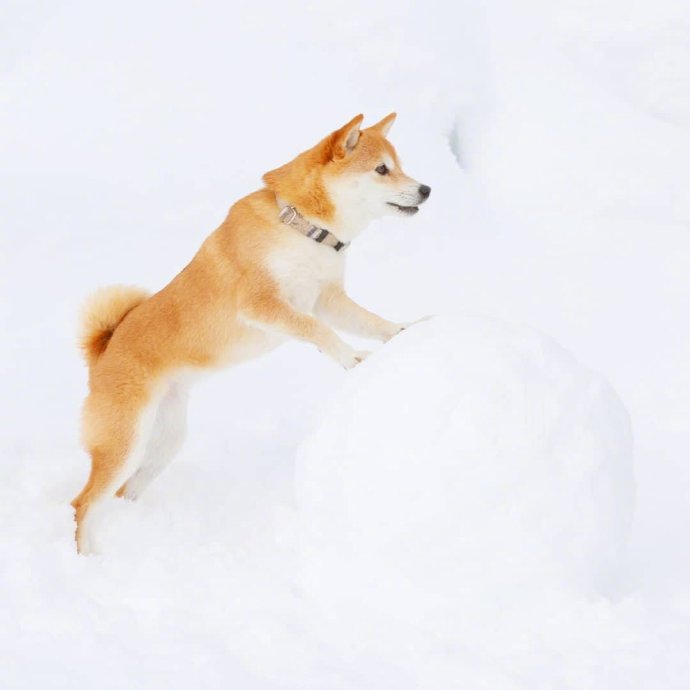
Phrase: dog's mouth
(407,210)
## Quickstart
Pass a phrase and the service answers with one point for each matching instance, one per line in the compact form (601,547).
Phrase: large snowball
(465,458)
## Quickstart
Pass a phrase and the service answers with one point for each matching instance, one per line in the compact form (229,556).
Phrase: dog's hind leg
(116,433)
(166,438)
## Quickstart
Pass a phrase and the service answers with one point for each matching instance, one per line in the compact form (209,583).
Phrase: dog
(273,270)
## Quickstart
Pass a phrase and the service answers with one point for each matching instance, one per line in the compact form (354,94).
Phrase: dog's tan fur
(253,283)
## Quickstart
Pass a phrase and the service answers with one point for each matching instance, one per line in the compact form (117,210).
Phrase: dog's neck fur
(345,223)
(348,222)
(301,183)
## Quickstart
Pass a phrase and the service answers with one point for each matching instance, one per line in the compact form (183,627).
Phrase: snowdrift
(466,460)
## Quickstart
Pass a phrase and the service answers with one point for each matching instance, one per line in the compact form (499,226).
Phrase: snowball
(465,458)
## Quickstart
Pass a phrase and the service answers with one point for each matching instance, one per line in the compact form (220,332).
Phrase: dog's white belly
(302,268)
(301,291)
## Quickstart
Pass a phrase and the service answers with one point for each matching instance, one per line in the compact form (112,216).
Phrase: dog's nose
(424,191)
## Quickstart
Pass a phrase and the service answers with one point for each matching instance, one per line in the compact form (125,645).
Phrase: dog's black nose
(424,190)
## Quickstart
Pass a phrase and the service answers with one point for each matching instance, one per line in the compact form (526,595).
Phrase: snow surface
(556,138)
(466,457)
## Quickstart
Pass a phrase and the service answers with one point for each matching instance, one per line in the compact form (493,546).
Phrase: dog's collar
(292,217)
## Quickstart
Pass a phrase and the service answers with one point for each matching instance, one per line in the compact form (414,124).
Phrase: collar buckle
(290,211)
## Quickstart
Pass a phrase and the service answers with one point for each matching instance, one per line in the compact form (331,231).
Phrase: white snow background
(457,512)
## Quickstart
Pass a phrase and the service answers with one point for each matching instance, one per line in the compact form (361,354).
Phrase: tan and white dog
(273,270)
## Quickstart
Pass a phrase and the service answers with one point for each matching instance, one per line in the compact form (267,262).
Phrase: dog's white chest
(301,270)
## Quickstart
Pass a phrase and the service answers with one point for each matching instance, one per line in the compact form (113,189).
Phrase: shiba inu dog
(273,270)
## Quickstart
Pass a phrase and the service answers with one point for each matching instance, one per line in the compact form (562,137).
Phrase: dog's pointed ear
(384,125)
(345,139)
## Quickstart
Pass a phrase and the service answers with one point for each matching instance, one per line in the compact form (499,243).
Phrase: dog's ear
(345,139)
(384,125)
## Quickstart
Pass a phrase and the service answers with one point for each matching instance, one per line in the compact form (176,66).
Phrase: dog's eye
(382,169)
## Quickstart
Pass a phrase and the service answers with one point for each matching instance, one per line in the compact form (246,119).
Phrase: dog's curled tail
(101,314)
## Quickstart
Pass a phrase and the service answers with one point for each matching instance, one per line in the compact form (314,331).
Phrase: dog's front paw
(347,357)
(358,357)
(400,327)
(353,358)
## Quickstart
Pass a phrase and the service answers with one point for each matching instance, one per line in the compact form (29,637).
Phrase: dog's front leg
(272,313)
(338,310)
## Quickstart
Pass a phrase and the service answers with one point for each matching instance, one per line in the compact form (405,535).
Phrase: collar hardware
(289,215)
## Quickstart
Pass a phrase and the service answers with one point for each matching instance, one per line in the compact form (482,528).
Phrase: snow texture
(453,514)
(466,457)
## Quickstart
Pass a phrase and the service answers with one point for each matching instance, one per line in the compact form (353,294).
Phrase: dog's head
(349,178)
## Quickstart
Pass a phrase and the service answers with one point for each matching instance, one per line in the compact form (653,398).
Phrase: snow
(471,471)
(555,136)
(468,455)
